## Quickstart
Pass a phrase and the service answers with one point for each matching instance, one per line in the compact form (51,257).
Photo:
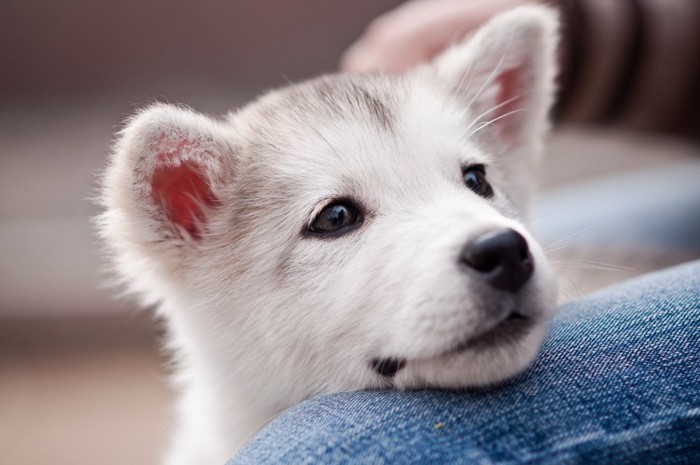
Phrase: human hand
(416,31)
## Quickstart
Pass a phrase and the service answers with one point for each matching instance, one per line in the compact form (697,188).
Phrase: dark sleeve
(631,63)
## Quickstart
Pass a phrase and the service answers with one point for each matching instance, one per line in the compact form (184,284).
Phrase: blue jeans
(617,382)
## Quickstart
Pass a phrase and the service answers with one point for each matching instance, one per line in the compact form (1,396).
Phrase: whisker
(492,109)
(472,72)
(573,288)
(491,76)
(487,82)
(585,264)
(324,140)
(284,76)
(557,248)
(550,247)
(488,123)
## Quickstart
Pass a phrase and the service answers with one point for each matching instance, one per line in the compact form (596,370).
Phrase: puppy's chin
(482,364)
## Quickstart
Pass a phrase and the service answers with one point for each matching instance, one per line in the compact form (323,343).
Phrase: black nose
(501,257)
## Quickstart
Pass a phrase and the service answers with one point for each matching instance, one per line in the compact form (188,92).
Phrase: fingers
(389,51)
(416,31)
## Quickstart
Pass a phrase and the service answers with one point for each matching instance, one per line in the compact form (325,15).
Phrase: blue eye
(338,217)
(475,179)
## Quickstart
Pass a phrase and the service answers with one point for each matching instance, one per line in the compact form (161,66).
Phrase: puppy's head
(351,231)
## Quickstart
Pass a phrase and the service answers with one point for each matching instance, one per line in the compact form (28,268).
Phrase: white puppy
(345,233)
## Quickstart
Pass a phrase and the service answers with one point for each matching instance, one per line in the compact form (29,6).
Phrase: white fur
(261,316)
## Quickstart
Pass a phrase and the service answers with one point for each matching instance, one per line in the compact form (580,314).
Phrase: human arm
(634,64)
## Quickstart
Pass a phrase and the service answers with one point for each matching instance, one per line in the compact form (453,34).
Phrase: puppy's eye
(475,179)
(338,218)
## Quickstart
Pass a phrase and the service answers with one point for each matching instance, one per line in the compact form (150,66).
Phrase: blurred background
(82,378)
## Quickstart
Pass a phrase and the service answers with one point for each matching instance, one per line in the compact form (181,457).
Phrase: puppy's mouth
(508,331)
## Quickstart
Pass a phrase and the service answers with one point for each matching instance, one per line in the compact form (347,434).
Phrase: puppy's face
(352,231)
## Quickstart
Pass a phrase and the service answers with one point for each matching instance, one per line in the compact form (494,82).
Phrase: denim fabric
(617,382)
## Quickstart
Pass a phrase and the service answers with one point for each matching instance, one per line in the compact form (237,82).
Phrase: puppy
(350,232)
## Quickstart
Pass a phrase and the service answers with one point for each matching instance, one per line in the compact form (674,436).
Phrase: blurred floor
(81,392)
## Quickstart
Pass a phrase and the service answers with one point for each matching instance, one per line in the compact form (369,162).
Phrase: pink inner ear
(184,193)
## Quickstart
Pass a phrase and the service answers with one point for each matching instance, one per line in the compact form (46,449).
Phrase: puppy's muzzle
(501,258)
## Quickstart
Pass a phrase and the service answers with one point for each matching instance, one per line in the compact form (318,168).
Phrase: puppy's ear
(167,172)
(504,74)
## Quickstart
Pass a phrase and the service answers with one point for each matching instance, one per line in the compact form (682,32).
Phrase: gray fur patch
(337,96)
(347,96)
